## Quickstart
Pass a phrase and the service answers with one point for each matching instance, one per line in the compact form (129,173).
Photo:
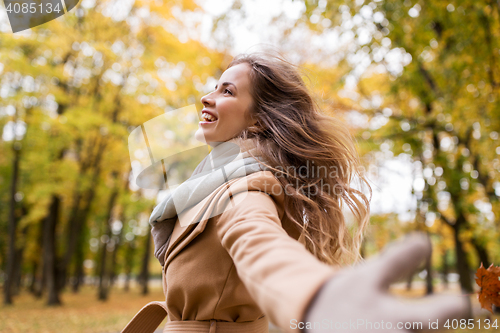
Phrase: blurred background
(417,82)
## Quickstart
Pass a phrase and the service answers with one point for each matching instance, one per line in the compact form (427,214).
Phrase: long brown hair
(291,132)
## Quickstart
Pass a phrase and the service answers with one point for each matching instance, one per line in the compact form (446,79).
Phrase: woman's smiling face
(226,110)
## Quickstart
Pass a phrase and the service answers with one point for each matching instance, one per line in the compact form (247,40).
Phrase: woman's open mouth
(207,118)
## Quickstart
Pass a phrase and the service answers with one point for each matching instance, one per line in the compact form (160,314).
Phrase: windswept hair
(291,132)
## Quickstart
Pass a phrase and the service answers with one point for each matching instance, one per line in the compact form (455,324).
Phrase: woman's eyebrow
(226,84)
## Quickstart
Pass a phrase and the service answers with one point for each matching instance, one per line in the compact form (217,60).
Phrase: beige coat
(234,271)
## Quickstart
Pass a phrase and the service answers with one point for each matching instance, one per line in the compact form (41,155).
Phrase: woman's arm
(293,288)
(278,272)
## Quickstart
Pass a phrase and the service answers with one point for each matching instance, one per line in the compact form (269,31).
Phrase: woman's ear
(253,120)
(251,117)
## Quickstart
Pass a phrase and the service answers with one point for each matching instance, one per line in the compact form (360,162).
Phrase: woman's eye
(227,90)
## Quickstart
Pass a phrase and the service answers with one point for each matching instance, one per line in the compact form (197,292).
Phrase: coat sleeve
(278,272)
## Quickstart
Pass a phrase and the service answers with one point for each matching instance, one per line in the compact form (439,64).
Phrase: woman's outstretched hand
(357,298)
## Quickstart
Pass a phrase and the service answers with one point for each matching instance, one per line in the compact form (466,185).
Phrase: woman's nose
(207,100)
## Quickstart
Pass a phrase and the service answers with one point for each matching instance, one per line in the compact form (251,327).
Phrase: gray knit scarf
(227,160)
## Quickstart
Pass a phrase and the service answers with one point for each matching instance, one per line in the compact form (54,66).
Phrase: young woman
(268,244)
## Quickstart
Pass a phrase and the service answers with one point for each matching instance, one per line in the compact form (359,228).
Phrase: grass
(80,312)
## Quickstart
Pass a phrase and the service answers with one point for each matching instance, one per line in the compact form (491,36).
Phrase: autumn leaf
(488,280)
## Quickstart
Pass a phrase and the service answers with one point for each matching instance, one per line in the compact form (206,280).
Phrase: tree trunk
(71,233)
(104,274)
(34,271)
(78,278)
(144,275)
(40,281)
(428,278)
(41,276)
(113,274)
(36,283)
(446,269)
(78,216)
(17,276)
(462,265)
(11,256)
(49,251)
(18,269)
(481,251)
(119,237)
(102,294)
(129,255)
(126,283)
(78,273)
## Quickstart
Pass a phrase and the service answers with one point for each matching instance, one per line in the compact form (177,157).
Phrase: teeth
(208,117)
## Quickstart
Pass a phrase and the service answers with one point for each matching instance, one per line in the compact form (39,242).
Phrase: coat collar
(214,205)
